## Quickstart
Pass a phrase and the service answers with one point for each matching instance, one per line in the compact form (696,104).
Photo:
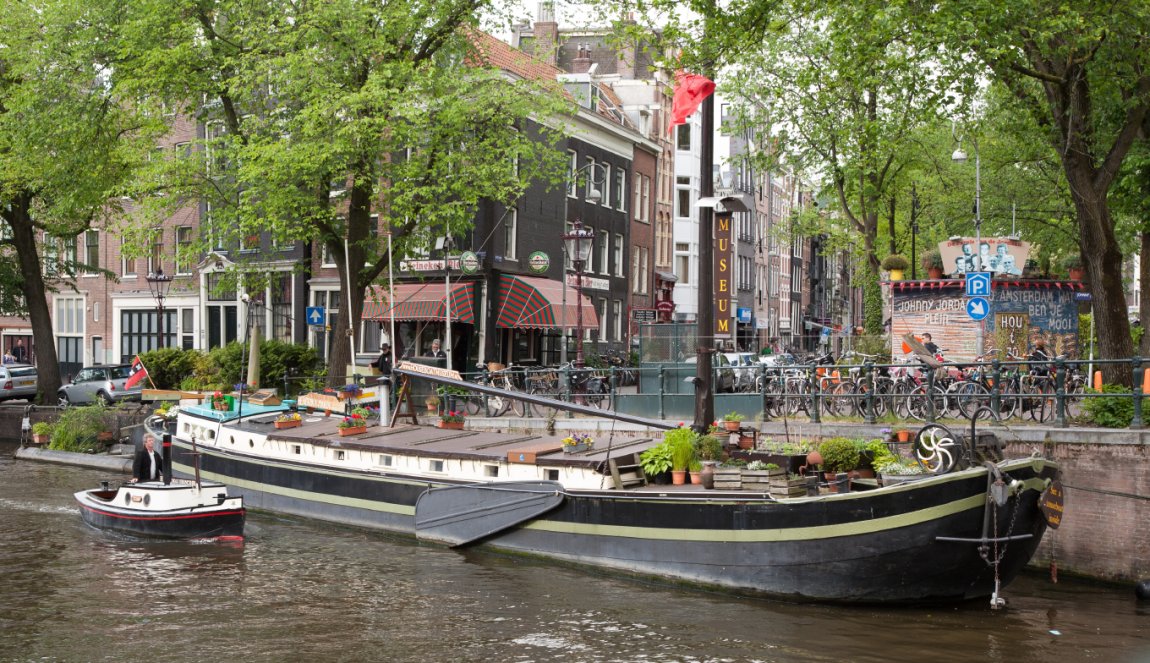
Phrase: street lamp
(158,284)
(578,245)
(594,196)
(960,157)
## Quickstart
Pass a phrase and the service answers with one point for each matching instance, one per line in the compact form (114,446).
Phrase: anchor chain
(998,494)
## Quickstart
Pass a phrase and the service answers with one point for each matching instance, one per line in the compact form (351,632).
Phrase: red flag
(138,373)
(690,91)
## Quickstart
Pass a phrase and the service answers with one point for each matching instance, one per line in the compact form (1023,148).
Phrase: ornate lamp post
(158,284)
(578,245)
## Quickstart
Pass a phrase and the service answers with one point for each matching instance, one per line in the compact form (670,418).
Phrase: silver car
(100,382)
(18,381)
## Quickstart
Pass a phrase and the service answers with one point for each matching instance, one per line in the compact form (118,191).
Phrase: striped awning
(538,303)
(421,301)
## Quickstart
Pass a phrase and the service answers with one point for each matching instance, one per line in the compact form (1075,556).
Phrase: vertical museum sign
(724,239)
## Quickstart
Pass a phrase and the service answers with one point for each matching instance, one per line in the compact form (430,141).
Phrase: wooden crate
(728,478)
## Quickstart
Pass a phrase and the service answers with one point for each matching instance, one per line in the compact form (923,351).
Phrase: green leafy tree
(69,140)
(1081,72)
(337,122)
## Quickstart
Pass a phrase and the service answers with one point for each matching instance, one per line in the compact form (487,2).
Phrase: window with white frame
(644,274)
(635,286)
(619,255)
(683,197)
(572,171)
(683,262)
(617,320)
(644,213)
(589,177)
(604,251)
(603,318)
(683,137)
(604,186)
(510,232)
(619,194)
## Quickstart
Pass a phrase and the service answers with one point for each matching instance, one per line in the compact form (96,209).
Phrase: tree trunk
(35,294)
(1102,259)
(1144,285)
(351,270)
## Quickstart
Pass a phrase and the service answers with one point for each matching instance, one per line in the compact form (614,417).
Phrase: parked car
(18,381)
(99,382)
(724,372)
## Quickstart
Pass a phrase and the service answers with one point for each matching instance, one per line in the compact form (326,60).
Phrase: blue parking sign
(978,284)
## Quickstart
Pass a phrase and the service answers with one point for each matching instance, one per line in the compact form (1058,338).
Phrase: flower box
(288,424)
(352,430)
(576,448)
(451,425)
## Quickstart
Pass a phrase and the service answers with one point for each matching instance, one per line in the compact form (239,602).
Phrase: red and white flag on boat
(138,373)
(690,91)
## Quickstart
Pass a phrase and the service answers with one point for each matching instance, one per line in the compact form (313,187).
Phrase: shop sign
(538,262)
(724,240)
(644,314)
(469,262)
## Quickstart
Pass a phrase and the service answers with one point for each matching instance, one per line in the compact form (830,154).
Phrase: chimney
(546,33)
(582,62)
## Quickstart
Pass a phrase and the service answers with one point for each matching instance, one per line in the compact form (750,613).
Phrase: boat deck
(418,440)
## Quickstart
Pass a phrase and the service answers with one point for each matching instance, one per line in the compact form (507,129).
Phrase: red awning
(421,301)
(538,303)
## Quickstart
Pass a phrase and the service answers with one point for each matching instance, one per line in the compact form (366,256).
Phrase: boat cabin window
(435,466)
(491,470)
(296,449)
(340,454)
(552,475)
(231,439)
(211,434)
(386,460)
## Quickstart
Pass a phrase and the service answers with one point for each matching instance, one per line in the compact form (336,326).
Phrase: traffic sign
(316,315)
(978,284)
(977,308)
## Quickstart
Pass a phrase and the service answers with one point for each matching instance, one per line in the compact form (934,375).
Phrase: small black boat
(181,509)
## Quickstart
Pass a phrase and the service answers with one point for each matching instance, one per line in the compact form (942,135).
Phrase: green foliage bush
(168,367)
(709,447)
(840,454)
(1110,411)
(78,427)
(656,460)
(225,366)
(681,441)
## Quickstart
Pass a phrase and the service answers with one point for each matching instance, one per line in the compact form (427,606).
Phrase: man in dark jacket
(383,364)
(148,465)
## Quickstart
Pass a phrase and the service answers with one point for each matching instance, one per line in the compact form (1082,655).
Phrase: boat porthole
(231,439)
(147,499)
(251,443)
(127,498)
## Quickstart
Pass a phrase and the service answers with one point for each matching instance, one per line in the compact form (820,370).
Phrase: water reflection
(299,590)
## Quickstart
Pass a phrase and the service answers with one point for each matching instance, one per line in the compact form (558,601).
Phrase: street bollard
(1060,392)
(868,414)
(996,387)
(930,413)
(816,401)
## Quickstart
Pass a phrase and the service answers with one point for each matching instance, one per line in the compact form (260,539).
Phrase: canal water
(298,590)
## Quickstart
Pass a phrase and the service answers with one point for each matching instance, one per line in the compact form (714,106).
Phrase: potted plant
(432,403)
(41,432)
(695,469)
(729,475)
(840,455)
(451,419)
(349,391)
(894,470)
(240,388)
(352,424)
(896,264)
(656,462)
(288,420)
(577,443)
(932,263)
(1073,266)
(682,444)
(709,451)
(220,402)
(731,421)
